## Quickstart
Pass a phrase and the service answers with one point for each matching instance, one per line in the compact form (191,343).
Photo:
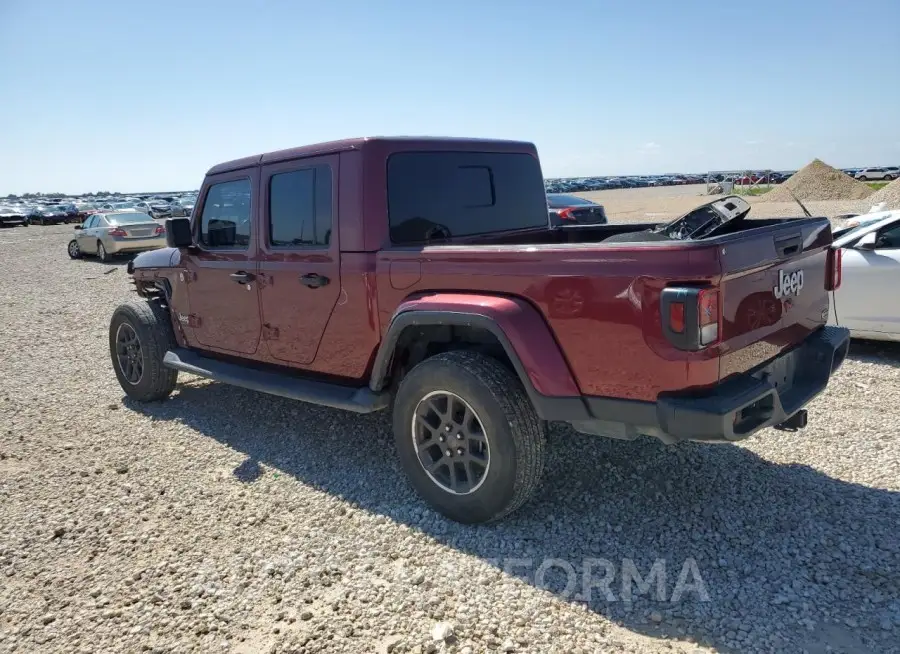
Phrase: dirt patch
(819,181)
(890,195)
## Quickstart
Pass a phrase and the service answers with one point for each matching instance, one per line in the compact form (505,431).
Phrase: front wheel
(888,178)
(468,437)
(140,334)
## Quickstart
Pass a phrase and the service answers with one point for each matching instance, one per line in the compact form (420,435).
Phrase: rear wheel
(74,251)
(102,253)
(140,334)
(468,437)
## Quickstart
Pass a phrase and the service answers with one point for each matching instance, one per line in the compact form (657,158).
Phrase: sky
(120,96)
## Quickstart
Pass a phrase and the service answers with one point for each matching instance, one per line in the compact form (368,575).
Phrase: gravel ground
(227,521)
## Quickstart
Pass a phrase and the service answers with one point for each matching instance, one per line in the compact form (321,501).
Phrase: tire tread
(525,426)
(154,329)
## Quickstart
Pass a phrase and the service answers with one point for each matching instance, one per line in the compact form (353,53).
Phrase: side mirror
(867,242)
(77,227)
(178,233)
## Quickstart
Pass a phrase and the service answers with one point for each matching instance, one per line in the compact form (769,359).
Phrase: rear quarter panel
(602,304)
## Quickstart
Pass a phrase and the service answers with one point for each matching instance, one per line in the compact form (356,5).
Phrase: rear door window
(300,208)
(225,222)
(440,195)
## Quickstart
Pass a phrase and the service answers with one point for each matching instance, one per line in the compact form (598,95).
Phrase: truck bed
(602,300)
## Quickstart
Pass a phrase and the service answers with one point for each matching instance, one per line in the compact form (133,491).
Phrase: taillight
(834,272)
(117,231)
(159,231)
(566,214)
(676,317)
(691,316)
(708,315)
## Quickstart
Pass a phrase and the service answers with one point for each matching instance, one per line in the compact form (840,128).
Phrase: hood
(162,258)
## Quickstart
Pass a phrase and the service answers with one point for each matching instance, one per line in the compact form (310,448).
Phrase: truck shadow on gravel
(881,352)
(791,558)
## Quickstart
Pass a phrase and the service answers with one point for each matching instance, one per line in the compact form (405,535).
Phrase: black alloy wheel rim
(129,354)
(450,442)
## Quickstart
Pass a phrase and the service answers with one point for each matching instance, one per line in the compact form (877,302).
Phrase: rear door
(299,261)
(87,242)
(868,299)
(773,290)
(221,270)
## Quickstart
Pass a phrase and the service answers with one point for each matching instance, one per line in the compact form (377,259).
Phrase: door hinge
(191,320)
(269,332)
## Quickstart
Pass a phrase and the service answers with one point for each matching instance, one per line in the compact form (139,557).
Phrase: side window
(225,221)
(889,238)
(300,207)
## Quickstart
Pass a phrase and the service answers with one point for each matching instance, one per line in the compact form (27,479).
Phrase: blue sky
(103,94)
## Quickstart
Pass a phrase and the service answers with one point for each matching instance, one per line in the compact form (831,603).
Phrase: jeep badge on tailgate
(788,284)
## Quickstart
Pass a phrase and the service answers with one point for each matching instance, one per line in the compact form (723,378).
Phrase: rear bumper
(115,245)
(744,404)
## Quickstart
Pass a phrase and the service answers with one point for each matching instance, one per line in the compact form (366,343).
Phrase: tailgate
(772,290)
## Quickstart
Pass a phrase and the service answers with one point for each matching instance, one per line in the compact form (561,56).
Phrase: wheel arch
(507,328)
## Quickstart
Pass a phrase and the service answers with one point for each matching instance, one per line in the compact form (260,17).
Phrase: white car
(867,302)
(878,174)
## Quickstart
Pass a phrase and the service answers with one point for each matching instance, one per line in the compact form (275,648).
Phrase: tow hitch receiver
(795,422)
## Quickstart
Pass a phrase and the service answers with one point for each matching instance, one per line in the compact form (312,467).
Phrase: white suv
(871,174)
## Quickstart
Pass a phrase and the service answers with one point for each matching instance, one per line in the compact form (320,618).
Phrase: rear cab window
(434,196)
(226,219)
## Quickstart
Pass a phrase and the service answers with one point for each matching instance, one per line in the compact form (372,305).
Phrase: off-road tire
(151,322)
(515,433)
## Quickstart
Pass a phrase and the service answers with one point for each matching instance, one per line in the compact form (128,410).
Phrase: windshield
(845,237)
(556,201)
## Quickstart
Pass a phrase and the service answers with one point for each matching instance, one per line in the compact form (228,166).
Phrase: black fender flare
(567,407)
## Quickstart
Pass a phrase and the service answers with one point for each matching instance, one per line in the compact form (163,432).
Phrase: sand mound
(818,181)
(890,195)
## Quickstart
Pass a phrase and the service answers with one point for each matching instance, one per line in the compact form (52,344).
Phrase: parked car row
(54,211)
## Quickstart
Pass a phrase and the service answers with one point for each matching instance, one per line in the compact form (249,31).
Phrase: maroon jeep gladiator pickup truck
(423,274)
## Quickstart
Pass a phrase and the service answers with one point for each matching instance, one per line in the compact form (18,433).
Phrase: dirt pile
(890,195)
(818,181)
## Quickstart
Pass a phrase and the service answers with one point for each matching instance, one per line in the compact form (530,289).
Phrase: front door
(868,299)
(221,271)
(299,260)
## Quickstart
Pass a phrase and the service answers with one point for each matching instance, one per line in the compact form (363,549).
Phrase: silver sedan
(108,234)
